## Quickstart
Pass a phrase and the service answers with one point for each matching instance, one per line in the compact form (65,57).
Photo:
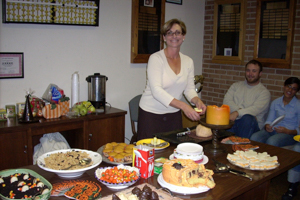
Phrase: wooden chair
(134,115)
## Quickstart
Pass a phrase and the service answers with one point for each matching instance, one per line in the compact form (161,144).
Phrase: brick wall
(219,77)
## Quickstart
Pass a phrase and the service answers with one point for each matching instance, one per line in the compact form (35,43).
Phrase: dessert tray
(297,138)
(253,161)
(203,161)
(148,141)
(73,189)
(235,140)
(244,147)
(127,192)
(180,189)
(104,159)
(262,169)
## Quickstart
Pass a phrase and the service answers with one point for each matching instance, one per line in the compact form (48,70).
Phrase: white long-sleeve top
(246,99)
(163,85)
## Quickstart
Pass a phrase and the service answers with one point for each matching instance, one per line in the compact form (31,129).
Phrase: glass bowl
(122,185)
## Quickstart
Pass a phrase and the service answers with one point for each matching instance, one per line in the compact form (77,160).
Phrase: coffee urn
(96,90)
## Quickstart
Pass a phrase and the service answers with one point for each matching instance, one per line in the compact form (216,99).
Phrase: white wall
(52,53)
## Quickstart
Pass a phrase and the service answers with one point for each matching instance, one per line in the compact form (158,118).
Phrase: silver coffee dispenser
(97,90)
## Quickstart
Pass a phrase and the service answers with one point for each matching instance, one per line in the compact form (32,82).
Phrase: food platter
(100,151)
(204,160)
(96,160)
(277,165)
(297,138)
(148,141)
(180,189)
(277,120)
(10,172)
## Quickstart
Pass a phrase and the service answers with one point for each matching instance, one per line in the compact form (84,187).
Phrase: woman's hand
(188,110)
(191,113)
(268,128)
(199,104)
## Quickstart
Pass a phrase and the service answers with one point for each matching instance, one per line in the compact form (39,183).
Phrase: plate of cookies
(116,153)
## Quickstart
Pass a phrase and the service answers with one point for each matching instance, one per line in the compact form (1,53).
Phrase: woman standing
(288,105)
(169,74)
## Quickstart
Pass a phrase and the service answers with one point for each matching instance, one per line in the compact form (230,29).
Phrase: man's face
(252,74)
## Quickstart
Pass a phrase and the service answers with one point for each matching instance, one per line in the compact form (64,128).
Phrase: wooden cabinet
(13,150)
(90,132)
(105,130)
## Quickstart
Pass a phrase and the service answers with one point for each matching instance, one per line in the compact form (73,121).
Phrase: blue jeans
(294,174)
(273,138)
(245,126)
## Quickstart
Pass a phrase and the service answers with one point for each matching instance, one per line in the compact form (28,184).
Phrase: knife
(243,175)
(223,167)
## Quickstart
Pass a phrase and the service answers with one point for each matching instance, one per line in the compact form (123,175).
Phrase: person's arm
(190,91)
(229,98)
(281,129)
(261,103)
(271,117)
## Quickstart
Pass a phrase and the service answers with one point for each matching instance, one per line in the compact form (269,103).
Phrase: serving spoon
(82,162)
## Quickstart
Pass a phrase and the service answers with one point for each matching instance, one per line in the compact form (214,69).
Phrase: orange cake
(187,173)
(218,115)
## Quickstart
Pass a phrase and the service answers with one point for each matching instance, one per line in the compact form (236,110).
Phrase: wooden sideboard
(17,140)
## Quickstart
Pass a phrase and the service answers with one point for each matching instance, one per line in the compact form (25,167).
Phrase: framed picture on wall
(175,1)
(11,65)
(227,51)
(149,3)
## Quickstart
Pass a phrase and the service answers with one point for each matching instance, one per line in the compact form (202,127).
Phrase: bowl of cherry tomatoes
(118,177)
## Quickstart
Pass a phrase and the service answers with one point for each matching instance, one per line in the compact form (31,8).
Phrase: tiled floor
(279,186)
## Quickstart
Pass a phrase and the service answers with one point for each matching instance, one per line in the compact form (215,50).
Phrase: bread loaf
(202,131)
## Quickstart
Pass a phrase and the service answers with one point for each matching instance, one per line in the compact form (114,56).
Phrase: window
(274,32)
(228,38)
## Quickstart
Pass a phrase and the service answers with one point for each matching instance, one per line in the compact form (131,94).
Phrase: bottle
(75,89)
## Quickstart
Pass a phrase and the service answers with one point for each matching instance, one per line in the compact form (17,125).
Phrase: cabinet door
(103,131)
(13,150)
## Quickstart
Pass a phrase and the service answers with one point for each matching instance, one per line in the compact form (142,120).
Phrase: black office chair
(134,115)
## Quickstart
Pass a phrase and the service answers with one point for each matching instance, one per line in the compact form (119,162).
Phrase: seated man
(293,178)
(248,101)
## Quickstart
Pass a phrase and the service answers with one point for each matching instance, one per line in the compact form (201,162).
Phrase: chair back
(134,108)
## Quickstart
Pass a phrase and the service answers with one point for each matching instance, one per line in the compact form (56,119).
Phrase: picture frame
(11,65)
(227,51)
(179,2)
(149,3)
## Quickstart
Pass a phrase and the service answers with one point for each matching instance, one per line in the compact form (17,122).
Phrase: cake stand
(215,147)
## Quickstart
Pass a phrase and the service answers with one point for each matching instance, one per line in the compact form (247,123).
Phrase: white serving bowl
(123,185)
(189,151)
(95,156)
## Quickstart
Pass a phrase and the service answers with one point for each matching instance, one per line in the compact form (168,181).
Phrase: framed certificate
(11,65)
